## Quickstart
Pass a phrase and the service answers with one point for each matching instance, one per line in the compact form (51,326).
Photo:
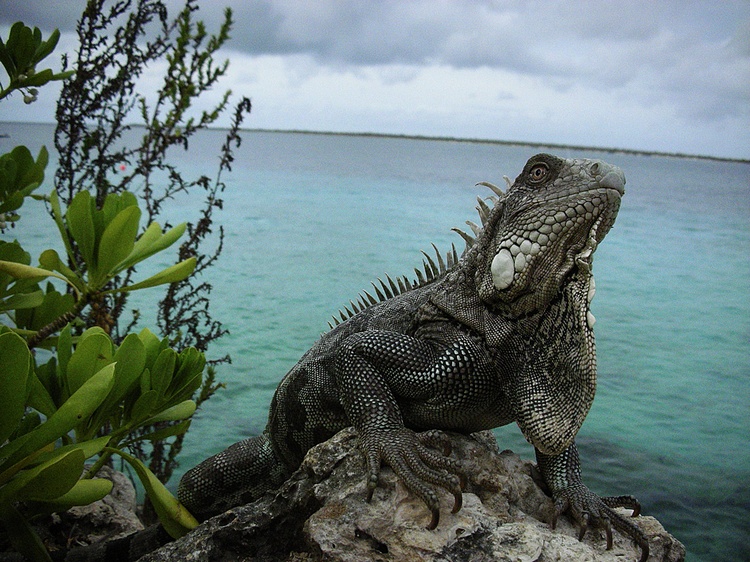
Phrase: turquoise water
(311,219)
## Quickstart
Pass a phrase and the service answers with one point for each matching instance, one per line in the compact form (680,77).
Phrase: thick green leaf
(84,492)
(177,520)
(189,375)
(54,305)
(21,271)
(15,359)
(152,344)
(151,242)
(165,432)
(131,360)
(21,535)
(144,406)
(6,59)
(162,371)
(46,48)
(50,259)
(92,354)
(89,448)
(117,242)
(172,274)
(46,481)
(64,353)
(181,411)
(23,46)
(40,398)
(114,203)
(54,202)
(75,409)
(80,220)
(22,300)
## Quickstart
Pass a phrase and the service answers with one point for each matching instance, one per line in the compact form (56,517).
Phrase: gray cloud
(691,58)
(694,55)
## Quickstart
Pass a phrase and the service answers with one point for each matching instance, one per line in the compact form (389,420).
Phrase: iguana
(502,334)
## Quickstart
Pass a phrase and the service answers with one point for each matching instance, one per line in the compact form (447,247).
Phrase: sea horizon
(448,138)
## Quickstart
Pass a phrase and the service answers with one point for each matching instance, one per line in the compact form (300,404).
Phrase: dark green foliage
(117,42)
(102,388)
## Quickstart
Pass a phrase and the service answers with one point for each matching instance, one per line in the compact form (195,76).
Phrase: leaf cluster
(93,390)
(51,417)
(20,54)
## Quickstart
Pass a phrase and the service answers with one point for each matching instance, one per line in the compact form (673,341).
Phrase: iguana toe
(419,467)
(589,510)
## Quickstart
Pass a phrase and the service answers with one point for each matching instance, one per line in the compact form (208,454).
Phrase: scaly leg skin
(563,475)
(418,467)
(366,364)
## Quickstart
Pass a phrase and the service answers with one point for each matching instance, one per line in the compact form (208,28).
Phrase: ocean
(312,219)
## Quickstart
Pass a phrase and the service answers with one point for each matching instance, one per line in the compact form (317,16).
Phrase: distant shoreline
(508,143)
(611,150)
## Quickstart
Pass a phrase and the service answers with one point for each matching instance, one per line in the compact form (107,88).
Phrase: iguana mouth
(614,183)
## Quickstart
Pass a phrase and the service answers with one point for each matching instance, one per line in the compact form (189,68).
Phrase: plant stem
(58,323)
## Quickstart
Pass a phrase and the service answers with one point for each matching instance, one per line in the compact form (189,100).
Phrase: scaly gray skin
(504,334)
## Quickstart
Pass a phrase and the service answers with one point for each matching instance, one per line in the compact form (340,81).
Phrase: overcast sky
(647,75)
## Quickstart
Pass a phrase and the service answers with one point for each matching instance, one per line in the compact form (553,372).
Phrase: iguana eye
(538,173)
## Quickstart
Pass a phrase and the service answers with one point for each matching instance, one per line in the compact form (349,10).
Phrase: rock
(92,526)
(112,517)
(320,513)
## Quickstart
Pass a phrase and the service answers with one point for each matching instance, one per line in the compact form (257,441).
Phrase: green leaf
(21,271)
(50,259)
(46,48)
(144,406)
(54,201)
(131,360)
(15,359)
(150,242)
(64,353)
(54,305)
(40,399)
(165,432)
(116,243)
(181,411)
(38,79)
(84,492)
(177,520)
(24,46)
(152,344)
(172,274)
(46,481)
(21,535)
(92,353)
(89,448)
(7,60)
(80,220)
(23,300)
(162,371)
(75,409)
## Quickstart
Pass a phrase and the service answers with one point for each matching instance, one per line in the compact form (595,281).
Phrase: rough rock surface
(111,518)
(321,514)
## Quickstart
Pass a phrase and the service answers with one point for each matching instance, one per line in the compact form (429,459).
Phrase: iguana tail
(238,475)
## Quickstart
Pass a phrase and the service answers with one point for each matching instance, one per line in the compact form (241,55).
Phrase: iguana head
(545,230)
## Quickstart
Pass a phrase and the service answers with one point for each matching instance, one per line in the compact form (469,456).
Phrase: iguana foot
(589,510)
(420,468)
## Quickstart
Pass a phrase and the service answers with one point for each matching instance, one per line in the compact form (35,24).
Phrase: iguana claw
(588,509)
(417,465)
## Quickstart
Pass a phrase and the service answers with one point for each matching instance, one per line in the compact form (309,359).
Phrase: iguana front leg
(372,369)
(562,473)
